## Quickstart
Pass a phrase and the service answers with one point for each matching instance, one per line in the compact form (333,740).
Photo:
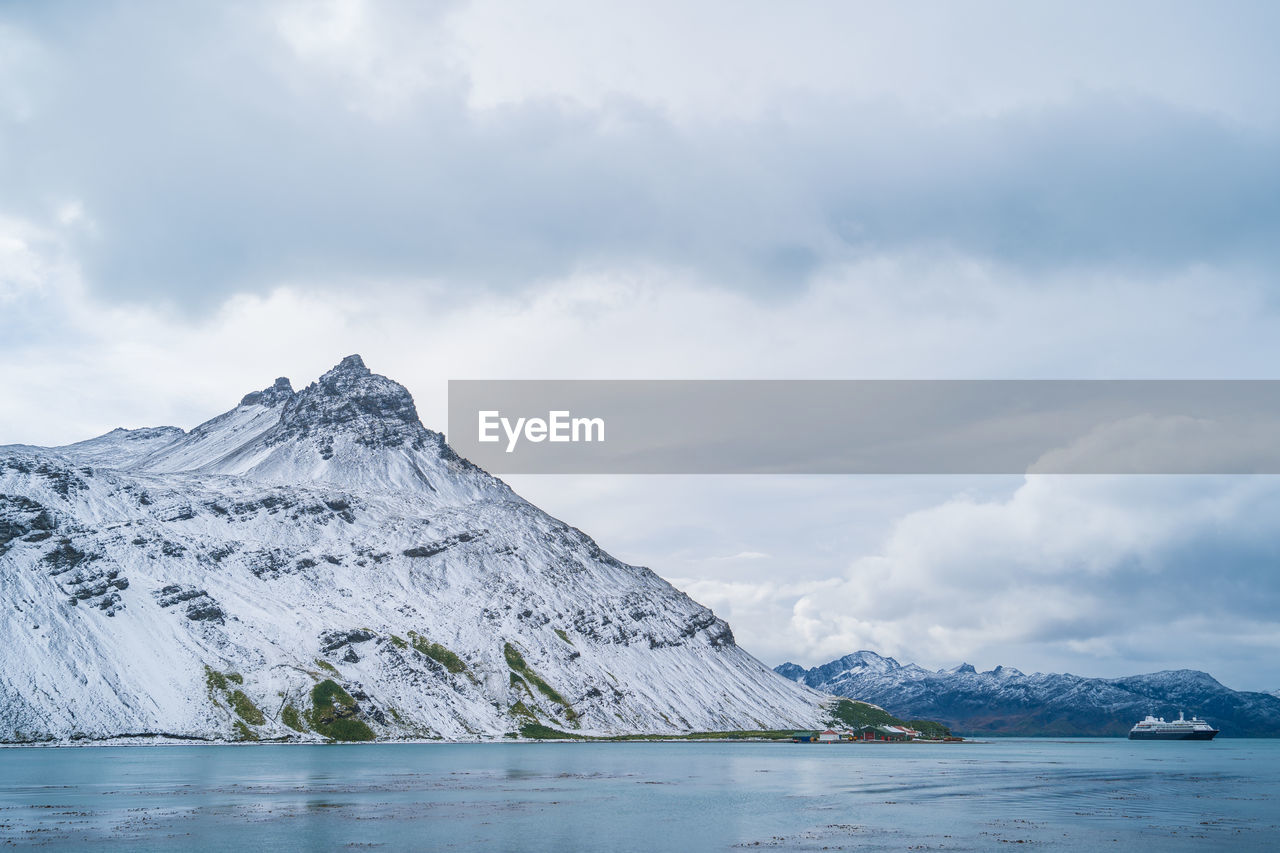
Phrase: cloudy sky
(195,199)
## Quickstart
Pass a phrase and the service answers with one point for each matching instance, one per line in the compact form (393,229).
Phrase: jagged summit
(352,364)
(866,658)
(351,427)
(278,393)
(858,663)
(375,410)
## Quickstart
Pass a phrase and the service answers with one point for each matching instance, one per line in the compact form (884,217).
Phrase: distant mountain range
(1005,701)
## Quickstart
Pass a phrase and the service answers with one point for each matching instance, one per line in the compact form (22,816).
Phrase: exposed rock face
(318,563)
(351,400)
(197,604)
(280,392)
(1006,701)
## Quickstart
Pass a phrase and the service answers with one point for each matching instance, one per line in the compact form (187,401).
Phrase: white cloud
(1104,573)
(1219,443)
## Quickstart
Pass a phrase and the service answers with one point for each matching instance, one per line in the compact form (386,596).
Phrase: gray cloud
(210,159)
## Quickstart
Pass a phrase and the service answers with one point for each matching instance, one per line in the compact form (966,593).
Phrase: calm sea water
(1057,795)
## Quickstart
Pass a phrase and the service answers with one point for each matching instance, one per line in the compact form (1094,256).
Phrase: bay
(1051,794)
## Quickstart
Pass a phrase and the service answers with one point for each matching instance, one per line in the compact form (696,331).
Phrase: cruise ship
(1155,728)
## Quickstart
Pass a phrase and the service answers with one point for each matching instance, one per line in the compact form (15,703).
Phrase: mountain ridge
(1006,701)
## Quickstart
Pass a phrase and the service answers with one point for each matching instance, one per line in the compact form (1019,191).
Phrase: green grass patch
(330,693)
(551,693)
(347,729)
(854,714)
(522,710)
(930,728)
(515,660)
(245,709)
(214,680)
(560,632)
(438,653)
(291,718)
(328,667)
(399,642)
(333,713)
(243,732)
(242,705)
(518,666)
(538,731)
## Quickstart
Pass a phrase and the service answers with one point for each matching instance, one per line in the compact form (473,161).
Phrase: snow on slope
(121,447)
(156,581)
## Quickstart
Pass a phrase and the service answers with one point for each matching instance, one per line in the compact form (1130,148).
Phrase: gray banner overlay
(867,426)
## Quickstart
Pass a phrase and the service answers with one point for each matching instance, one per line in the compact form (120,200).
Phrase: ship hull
(1172,735)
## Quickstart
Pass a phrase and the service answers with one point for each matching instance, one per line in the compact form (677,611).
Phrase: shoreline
(162,741)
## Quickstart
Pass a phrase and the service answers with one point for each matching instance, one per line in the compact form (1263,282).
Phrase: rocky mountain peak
(350,398)
(869,659)
(351,364)
(863,661)
(279,392)
(790,670)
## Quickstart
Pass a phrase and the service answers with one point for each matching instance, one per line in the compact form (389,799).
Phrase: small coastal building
(885,733)
(828,736)
(803,737)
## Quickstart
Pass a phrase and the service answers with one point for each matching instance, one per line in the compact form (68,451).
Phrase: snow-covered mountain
(318,562)
(1006,701)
